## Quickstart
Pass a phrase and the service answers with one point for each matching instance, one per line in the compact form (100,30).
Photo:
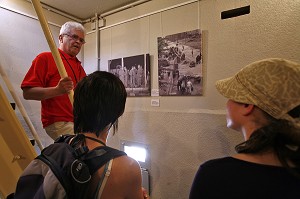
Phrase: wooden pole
(21,107)
(60,66)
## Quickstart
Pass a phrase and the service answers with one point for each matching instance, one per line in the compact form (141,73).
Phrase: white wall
(184,131)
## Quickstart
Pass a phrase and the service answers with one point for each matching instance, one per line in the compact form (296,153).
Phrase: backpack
(64,170)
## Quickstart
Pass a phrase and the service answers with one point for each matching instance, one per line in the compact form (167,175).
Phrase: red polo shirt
(44,73)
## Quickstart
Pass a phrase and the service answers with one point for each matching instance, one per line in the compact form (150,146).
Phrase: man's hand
(65,85)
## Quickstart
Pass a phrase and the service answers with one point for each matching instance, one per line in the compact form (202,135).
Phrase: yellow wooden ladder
(16,151)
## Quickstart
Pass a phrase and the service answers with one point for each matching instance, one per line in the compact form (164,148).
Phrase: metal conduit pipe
(97,41)
(117,10)
(151,13)
(59,12)
(146,15)
(26,15)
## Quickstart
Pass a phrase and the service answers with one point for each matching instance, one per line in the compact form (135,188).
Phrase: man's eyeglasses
(76,38)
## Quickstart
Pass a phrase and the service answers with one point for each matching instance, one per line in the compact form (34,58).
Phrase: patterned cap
(273,85)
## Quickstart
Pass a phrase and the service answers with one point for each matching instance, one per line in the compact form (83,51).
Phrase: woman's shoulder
(125,176)
(126,164)
(230,164)
(219,162)
(236,163)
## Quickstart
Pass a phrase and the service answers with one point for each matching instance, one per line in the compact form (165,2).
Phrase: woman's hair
(99,100)
(68,26)
(279,135)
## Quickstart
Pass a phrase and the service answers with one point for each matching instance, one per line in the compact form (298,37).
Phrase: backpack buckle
(81,151)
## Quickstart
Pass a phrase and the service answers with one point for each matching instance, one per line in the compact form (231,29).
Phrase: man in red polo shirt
(43,82)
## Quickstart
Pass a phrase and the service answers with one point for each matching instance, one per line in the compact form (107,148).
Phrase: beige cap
(271,84)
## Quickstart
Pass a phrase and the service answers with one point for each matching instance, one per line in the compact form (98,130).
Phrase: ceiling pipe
(124,8)
(26,15)
(117,10)
(146,15)
(57,11)
(151,13)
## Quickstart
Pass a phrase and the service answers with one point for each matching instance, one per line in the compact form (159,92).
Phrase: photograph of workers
(180,64)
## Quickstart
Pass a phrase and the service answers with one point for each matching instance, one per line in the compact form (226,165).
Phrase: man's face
(71,43)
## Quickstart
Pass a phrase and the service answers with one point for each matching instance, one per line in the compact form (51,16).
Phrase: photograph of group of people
(134,72)
(180,64)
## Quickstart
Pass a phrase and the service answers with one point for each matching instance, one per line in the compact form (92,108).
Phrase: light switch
(154,102)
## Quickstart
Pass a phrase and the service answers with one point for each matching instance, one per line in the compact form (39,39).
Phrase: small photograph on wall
(180,64)
(134,72)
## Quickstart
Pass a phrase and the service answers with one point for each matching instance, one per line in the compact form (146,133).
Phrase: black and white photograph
(134,72)
(114,66)
(180,64)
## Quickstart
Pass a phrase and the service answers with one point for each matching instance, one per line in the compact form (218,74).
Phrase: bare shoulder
(126,165)
(125,180)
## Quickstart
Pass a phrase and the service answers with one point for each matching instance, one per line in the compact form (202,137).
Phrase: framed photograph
(180,64)
(134,72)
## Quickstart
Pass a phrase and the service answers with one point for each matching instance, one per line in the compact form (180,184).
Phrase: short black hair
(99,100)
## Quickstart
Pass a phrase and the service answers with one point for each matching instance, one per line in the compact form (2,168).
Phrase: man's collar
(67,56)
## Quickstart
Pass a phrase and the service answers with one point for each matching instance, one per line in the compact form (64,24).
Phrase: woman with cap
(264,105)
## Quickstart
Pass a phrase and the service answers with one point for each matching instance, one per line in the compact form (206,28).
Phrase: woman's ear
(248,109)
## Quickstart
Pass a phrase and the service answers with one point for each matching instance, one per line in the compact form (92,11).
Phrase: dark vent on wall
(235,12)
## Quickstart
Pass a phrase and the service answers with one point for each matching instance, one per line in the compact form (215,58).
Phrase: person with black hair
(264,105)
(99,100)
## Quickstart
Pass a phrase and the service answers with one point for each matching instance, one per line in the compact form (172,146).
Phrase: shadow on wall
(219,141)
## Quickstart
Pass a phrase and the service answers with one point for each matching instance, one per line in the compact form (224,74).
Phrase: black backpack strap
(64,138)
(99,156)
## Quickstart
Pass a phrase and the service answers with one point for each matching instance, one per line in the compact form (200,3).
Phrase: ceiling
(86,9)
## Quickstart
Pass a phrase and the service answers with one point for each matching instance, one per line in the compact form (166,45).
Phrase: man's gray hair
(68,26)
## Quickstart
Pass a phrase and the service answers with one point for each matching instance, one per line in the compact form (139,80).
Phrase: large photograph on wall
(134,72)
(180,64)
